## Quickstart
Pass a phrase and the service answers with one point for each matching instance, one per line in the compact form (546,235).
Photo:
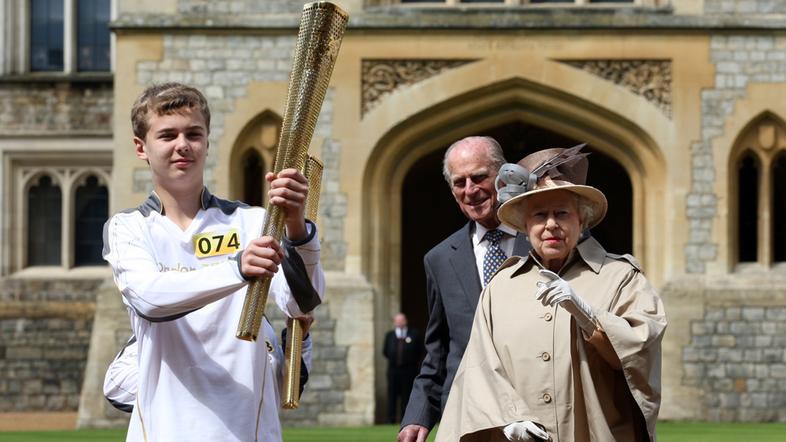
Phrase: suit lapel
(463,262)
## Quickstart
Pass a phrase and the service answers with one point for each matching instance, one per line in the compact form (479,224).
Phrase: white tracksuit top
(196,380)
(120,381)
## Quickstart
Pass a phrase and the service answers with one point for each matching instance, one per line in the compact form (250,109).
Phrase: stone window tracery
(56,206)
(61,36)
(91,210)
(779,207)
(758,188)
(44,211)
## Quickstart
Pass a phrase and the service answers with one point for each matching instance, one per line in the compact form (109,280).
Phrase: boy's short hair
(166,99)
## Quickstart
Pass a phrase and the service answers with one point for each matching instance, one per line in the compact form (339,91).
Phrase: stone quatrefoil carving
(650,79)
(380,78)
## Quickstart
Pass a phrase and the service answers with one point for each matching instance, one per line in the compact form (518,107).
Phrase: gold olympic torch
(294,346)
(322,27)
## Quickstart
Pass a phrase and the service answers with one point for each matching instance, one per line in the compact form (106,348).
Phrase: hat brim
(512,212)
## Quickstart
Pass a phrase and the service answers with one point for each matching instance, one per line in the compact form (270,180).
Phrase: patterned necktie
(494,254)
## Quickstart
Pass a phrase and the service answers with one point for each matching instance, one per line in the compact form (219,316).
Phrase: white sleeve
(159,295)
(309,251)
(120,381)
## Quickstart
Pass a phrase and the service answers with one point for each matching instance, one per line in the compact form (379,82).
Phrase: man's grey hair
(495,156)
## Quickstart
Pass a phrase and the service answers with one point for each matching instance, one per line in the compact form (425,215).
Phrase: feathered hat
(546,171)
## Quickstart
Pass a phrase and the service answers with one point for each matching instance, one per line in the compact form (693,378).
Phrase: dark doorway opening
(429,213)
(748,172)
(253,178)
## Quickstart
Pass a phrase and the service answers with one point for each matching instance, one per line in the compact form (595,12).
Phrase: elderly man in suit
(456,271)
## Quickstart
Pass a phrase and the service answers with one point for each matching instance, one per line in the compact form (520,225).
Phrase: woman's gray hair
(586,210)
(495,156)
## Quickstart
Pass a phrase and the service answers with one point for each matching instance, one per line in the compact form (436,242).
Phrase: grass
(667,432)
(720,432)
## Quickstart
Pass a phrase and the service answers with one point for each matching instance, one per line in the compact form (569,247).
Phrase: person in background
(403,349)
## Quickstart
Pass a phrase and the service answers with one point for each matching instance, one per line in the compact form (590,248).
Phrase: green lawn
(667,432)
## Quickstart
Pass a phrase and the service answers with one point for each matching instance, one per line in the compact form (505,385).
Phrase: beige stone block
(111,317)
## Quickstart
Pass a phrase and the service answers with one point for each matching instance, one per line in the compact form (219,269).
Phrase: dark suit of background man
(454,277)
(403,350)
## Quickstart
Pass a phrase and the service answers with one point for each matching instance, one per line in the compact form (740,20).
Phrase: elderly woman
(565,344)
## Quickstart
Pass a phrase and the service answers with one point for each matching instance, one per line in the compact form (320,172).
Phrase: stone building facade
(682,103)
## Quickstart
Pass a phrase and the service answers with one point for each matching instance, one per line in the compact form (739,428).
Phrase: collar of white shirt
(480,232)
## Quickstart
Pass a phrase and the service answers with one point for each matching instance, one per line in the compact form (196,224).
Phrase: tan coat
(525,361)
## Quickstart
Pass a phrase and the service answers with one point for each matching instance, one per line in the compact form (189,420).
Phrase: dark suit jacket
(412,352)
(453,289)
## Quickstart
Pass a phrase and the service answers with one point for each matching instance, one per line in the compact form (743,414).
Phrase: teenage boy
(182,261)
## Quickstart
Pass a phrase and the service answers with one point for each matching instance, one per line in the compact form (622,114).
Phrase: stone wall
(240,6)
(744,7)
(45,331)
(737,357)
(41,363)
(30,108)
(340,389)
(329,377)
(739,61)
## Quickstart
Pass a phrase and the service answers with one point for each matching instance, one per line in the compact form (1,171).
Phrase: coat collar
(592,253)
(589,250)
(153,202)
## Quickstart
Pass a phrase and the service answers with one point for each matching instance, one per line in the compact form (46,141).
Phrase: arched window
(253,178)
(748,175)
(44,216)
(757,168)
(57,211)
(90,213)
(779,208)
(253,155)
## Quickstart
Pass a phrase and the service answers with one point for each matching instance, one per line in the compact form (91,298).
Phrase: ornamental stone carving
(649,78)
(380,78)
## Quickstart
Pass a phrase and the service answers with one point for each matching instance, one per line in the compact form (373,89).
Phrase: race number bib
(215,244)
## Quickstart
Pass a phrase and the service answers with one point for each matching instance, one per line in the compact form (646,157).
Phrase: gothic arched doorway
(252,156)
(429,214)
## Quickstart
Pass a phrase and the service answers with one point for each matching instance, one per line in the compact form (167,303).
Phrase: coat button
(548,316)
(547,398)
(546,356)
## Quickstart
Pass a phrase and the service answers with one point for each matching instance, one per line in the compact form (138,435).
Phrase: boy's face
(175,146)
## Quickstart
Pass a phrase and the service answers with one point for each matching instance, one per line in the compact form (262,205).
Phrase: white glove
(527,431)
(558,291)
